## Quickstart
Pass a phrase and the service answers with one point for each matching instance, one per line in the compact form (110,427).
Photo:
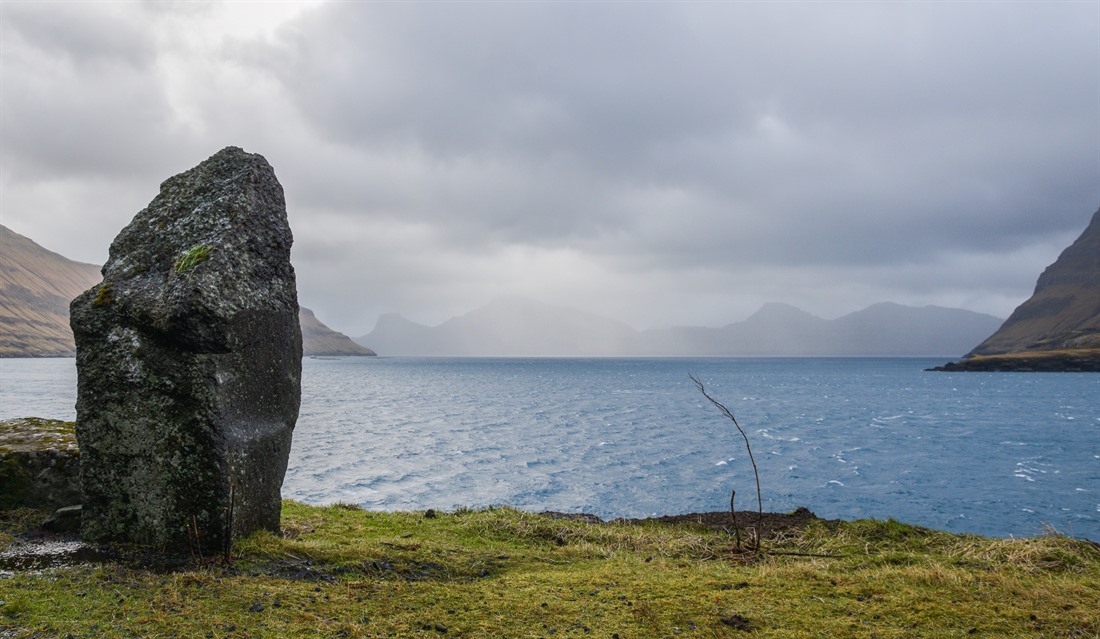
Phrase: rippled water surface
(993,453)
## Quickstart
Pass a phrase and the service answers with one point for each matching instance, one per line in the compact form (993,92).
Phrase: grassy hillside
(342,572)
(36,287)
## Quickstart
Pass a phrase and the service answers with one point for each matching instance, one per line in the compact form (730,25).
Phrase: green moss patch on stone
(196,255)
(104,296)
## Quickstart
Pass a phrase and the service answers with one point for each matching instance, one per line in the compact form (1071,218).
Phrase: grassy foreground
(342,572)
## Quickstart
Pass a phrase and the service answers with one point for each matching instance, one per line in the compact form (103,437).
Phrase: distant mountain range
(36,286)
(1058,327)
(520,327)
(880,330)
(507,327)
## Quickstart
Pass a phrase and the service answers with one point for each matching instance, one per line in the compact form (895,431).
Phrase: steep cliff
(1064,311)
(1058,327)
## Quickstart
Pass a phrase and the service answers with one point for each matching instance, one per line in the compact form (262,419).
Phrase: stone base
(39,464)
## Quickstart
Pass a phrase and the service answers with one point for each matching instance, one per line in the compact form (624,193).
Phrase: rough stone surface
(189,363)
(39,464)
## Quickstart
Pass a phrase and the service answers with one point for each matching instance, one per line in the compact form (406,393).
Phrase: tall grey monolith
(189,360)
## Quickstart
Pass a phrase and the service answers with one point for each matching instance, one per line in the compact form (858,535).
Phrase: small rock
(63,520)
(256,607)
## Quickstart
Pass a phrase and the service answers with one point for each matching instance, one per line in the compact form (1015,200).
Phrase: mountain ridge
(37,284)
(776,330)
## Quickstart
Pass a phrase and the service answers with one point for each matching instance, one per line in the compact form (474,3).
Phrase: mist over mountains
(520,327)
(36,286)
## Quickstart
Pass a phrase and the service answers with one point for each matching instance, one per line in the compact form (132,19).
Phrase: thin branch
(755,471)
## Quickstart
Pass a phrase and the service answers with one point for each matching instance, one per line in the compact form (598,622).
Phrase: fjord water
(992,453)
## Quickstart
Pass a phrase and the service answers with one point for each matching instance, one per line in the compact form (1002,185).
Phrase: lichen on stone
(196,255)
(36,433)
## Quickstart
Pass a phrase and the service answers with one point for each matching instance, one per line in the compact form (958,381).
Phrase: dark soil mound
(772,525)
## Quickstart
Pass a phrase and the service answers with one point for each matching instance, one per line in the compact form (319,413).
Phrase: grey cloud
(82,34)
(871,110)
(603,155)
(81,93)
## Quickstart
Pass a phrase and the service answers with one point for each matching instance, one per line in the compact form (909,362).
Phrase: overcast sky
(658,163)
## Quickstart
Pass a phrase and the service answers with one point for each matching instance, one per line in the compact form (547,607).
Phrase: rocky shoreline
(1030,362)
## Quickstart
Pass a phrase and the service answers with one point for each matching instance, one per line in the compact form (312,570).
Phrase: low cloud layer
(659,163)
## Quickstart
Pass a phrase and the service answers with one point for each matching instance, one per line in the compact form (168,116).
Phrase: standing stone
(189,360)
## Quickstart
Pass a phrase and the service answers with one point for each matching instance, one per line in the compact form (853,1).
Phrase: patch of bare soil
(772,525)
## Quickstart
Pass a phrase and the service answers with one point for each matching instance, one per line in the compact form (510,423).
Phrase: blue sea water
(1002,454)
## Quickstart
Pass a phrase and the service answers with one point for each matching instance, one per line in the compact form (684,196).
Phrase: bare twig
(755,471)
(195,542)
(733,518)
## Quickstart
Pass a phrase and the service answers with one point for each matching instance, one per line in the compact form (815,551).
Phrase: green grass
(1091,351)
(343,572)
